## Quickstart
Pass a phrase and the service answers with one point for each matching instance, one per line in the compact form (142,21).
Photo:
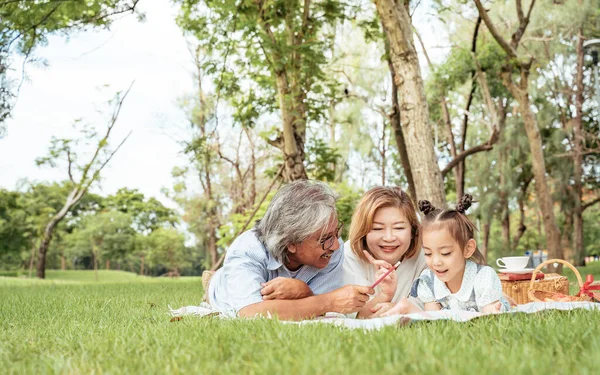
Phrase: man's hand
(349,298)
(285,288)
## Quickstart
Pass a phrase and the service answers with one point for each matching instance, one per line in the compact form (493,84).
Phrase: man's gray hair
(297,210)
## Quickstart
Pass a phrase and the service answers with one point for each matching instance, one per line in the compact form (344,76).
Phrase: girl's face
(390,234)
(445,257)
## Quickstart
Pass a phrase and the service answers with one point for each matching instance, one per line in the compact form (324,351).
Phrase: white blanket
(341,320)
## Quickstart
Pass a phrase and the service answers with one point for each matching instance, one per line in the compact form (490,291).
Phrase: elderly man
(290,264)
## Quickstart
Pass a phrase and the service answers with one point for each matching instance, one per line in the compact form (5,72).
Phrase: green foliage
(237,222)
(168,249)
(321,161)
(148,214)
(591,231)
(107,235)
(345,205)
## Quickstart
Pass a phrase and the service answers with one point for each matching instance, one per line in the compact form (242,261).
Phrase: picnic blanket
(341,320)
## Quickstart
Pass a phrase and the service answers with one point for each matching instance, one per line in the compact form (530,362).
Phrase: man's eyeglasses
(328,241)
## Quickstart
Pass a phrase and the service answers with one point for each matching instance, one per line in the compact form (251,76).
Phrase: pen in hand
(385,274)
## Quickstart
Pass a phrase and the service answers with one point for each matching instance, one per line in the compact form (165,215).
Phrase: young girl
(384,230)
(457,278)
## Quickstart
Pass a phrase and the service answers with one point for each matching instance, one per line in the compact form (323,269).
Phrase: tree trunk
(71,201)
(142,258)
(95,256)
(107,264)
(212,245)
(294,132)
(398,136)
(414,111)
(566,235)
(486,240)
(63,262)
(578,143)
(521,228)
(503,203)
(521,94)
(505,222)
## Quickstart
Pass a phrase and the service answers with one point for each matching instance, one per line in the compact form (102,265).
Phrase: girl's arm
(432,306)
(492,308)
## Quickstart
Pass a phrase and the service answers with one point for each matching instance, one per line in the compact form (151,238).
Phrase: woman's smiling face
(390,234)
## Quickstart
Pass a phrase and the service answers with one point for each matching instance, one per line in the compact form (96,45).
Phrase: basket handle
(550,261)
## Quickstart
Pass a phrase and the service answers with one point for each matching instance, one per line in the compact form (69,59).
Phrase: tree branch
(510,51)
(83,182)
(523,22)
(216,265)
(589,204)
(463,155)
(70,164)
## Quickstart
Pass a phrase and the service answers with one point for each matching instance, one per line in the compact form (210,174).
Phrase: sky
(85,71)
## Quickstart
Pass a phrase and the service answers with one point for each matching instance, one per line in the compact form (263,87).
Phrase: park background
(221,102)
(139,137)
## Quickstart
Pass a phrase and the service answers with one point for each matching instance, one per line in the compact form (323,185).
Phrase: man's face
(310,252)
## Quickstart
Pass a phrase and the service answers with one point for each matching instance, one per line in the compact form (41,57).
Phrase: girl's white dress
(480,287)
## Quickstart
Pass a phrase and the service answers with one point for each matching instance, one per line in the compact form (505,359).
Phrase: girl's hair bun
(464,203)
(426,207)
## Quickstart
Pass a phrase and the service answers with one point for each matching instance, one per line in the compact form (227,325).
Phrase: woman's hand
(381,308)
(285,288)
(388,285)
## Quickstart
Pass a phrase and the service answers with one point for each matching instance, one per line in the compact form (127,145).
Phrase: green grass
(103,276)
(76,326)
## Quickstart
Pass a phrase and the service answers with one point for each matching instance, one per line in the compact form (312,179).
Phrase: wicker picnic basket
(519,289)
(537,294)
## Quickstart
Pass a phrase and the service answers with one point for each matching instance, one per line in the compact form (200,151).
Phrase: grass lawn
(123,327)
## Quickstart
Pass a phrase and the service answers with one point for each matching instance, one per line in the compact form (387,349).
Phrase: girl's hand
(381,308)
(390,283)
(492,308)
(404,306)
(285,288)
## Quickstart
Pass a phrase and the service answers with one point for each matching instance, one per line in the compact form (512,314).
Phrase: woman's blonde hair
(362,219)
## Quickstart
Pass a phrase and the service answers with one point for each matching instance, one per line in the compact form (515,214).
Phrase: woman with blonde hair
(385,230)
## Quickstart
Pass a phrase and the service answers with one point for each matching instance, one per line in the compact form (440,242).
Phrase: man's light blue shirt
(248,264)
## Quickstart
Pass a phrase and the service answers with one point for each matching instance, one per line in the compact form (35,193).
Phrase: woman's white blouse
(359,272)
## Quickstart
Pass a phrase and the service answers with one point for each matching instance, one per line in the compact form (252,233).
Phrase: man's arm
(344,300)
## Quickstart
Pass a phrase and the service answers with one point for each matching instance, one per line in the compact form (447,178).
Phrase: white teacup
(513,263)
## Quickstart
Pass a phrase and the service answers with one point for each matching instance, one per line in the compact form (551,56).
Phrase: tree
(148,214)
(414,111)
(66,149)
(26,25)
(168,249)
(269,49)
(515,77)
(108,234)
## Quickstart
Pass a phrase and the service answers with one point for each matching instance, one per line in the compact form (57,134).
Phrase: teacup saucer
(516,271)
